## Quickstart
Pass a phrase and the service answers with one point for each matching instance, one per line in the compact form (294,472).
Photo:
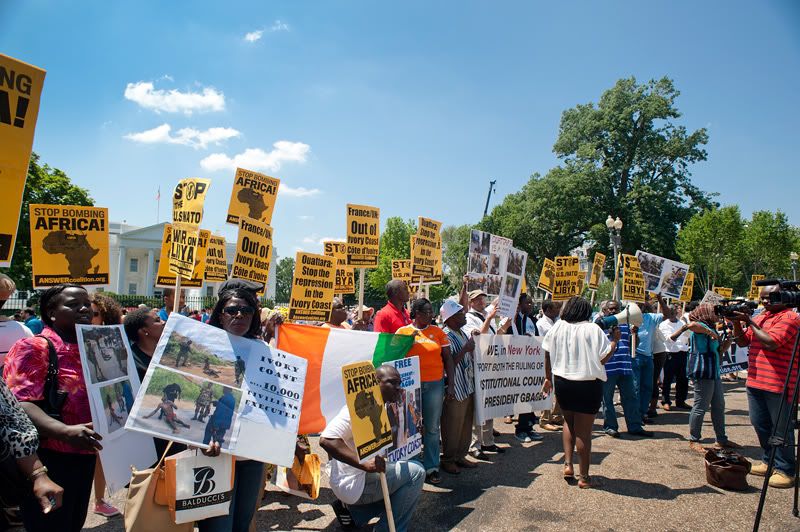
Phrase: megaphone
(630,315)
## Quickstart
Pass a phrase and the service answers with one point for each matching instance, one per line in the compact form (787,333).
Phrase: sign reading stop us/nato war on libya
(345,276)
(253,251)
(20,90)
(165,278)
(313,287)
(363,235)
(253,196)
(216,260)
(188,199)
(183,249)
(371,429)
(688,288)
(633,284)
(567,274)
(69,244)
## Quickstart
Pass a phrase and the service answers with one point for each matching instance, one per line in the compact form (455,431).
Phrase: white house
(134,256)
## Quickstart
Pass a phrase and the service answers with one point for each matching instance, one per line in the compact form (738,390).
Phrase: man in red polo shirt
(394,315)
(771,337)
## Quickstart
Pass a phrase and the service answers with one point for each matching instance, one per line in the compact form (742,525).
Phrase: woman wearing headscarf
(576,351)
(68,443)
(705,350)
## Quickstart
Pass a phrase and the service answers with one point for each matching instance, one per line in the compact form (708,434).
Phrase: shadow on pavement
(644,490)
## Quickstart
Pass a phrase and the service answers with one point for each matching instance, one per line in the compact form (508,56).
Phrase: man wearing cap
(394,314)
(458,412)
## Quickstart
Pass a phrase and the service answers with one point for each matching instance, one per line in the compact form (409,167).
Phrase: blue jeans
(764,418)
(405,480)
(247,489)
(630,403)
(432,403)
(708,392)
(643,381)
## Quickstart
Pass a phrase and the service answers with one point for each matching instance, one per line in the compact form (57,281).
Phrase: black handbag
(54,398)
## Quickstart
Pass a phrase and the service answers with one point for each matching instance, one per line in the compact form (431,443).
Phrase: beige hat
(473,294)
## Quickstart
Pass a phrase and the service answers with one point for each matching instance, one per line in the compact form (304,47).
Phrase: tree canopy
(284,272)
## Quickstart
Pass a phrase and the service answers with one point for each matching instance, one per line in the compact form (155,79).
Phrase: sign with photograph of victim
(253,196)
(69,244)
(20,91)
(363,236)
(313,287)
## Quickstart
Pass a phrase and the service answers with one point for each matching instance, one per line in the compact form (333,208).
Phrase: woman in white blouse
(575,351)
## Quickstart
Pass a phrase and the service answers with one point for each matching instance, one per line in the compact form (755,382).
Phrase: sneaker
(535,436)
(105,509)
(780,479)
(522,437)
(433,478)
(492,449)
(759,469)
(643,433)
(479,455)
(613,433)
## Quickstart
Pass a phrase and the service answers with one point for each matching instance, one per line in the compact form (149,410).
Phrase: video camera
(788,295)
(727,307)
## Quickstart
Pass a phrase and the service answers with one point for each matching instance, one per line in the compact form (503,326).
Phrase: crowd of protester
(49,438)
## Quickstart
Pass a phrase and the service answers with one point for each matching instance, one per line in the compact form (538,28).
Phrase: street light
(615,238)
(793,257)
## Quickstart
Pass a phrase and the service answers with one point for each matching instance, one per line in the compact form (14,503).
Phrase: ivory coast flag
(326,351)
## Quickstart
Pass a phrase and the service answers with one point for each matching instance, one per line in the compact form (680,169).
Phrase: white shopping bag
(203,485)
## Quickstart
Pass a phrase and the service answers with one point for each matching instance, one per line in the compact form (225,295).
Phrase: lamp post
(793,257)
(615,238)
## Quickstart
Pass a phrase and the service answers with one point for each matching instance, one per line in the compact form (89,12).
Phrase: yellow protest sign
(597,270)
(165,278)
(313,287)
(253,196)
(253,252)
(188,199)
(69,244)
(567,273)
(727,293)
(345,276)
(216,261)
(633,286)
(401,270)
(368,419)
(688,288)
(424,248)
(20,90)
(755,291)
(363,235)
(183,249)
(548,276)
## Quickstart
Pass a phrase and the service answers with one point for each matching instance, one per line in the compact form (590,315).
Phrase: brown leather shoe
(450,468)
(466,464)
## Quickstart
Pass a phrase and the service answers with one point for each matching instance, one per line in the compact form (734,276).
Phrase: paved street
(652,485)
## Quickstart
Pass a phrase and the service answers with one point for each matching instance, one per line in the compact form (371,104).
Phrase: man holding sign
(357,485)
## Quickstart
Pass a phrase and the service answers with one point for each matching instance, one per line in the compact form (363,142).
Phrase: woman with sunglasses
(68,443)
(432,347)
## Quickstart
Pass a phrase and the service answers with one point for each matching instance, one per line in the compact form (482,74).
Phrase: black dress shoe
(643,433)
(492,449)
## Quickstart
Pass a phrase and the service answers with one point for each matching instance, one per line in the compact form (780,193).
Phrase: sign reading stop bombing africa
(368,418)
(253,196)
(69,244)
(20,90)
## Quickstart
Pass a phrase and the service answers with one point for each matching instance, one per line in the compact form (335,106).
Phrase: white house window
(209,291)
(134,265)
(132,289)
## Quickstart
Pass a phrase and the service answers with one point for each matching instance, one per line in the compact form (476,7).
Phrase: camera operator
(771,337)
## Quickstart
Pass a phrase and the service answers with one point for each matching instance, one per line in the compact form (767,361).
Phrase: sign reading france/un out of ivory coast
(240,392)
(509,375)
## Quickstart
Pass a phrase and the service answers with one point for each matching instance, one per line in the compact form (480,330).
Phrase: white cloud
(187,136)
(253,36)
(258,159)
(316,239)
(299,192)
(305,217)
(279,25)
(146,95)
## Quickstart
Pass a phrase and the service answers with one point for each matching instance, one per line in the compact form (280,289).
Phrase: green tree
(395,244)
(711,243)
(284,273)
(455,246)
(767,241)
(48,186)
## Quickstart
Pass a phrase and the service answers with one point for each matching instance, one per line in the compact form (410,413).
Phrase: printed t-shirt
(346,481)
(767,369)
(427,346)
(25,372)
(576,349)
(464,378)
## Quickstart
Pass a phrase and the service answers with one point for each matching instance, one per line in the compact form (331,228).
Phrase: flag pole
(363,273)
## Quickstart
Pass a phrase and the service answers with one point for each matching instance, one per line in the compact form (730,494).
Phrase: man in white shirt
(357,486)
(551,419)
(675,366)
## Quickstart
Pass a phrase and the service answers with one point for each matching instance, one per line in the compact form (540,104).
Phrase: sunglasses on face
(234,310)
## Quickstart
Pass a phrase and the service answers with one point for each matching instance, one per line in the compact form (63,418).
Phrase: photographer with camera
(770,336)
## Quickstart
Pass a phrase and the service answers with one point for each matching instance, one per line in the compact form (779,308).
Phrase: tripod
(780,434)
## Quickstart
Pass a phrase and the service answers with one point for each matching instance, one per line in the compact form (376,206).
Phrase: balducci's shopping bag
(199,486)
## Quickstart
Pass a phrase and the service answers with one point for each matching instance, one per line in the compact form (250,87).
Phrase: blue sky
(411,107)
